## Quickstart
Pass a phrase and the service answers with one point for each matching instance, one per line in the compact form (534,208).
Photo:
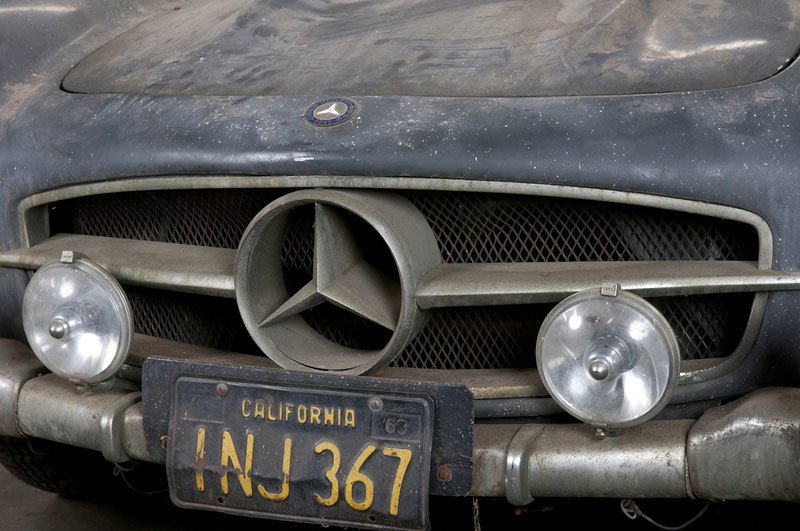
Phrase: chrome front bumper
(748,449)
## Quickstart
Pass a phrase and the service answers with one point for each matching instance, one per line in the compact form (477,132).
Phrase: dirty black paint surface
(445,48)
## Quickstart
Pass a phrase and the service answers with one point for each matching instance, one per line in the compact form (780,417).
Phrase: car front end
(323,262)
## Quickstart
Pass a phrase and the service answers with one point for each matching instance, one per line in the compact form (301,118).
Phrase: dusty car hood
(445,48)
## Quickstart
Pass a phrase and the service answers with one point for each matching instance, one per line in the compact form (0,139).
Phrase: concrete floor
(23,507)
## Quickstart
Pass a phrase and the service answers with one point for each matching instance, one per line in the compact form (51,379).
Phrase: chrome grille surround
(34,210)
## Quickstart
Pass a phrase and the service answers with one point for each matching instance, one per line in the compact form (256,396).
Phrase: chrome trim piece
(532,283)
(571,460)
(388,183)
(748,449)
(517,469)
(171,266)
(112,428)
(209,271)
(134,440)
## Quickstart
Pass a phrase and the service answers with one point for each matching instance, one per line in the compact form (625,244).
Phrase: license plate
(300,453)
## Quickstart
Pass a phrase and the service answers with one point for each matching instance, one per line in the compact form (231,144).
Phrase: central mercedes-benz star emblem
(342,277)
(333,111)
(369,251)
(329,111)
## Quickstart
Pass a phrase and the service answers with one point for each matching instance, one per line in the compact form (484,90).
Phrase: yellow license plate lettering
(230,456)
(282,494)
(330,474)
(404,455)
(356,476)
(199,459)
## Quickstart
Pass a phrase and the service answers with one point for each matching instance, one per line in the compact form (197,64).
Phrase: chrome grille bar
(175,267)
(209,271)
(451,285)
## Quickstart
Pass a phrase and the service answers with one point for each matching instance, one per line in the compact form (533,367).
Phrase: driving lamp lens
(609,360)
(77,320)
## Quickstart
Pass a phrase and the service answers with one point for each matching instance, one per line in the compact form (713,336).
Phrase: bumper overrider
(758,433)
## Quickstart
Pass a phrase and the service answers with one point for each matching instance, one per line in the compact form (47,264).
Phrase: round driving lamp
(608,357)
(77,319)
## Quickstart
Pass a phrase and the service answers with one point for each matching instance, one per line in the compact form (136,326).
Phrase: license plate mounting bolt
(375,404)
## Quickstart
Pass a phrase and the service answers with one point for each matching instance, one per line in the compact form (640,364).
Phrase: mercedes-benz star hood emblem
(331,111)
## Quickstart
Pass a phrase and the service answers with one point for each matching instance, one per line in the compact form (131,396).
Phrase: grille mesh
(470,228)
(485,228)
(188,318)
(505,336)
(209,218)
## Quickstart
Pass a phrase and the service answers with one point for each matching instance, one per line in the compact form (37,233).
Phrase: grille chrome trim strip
(209,271)
(32,218)
(451,285)
(175,267)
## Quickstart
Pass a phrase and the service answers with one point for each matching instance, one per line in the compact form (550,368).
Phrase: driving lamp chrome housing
(608,357)
(77,319)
